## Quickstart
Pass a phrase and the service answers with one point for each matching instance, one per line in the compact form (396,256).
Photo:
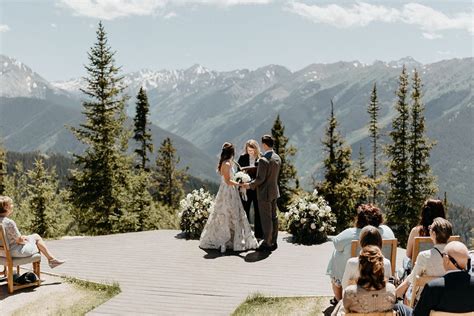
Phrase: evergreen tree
(142,198)
(401,213)
(142,132)
(101,186)
(288,180)
(3,168)
(338,186)
(16,187)
(169,179)
(373,111)
(421,180)
(362,168)
(43,199)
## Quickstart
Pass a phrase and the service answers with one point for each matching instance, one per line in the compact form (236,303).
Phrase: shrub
(310,219)
(194,212)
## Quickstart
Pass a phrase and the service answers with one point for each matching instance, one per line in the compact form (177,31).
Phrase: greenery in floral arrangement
(194,212)
(310,219)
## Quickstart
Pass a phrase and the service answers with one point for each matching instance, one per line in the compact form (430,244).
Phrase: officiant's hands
(246,185)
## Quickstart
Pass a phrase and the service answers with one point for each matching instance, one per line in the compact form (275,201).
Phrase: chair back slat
(436,313)
(425,243)
(389,251)
(4,247)
(391,313)
(418,286)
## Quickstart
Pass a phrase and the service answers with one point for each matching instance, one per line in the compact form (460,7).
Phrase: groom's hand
(246,186)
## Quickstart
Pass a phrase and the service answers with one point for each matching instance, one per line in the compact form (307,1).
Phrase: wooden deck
(160,274)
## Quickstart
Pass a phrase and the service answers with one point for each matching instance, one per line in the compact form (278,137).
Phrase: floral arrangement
(194,212)
(310,219)
(242,177)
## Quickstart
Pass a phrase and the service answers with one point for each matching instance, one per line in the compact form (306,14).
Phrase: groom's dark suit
(266,184)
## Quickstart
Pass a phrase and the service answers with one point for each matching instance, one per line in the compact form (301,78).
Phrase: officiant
(248,162)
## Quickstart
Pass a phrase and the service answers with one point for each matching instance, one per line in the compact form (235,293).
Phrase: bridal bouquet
(310,219)
(242,177)
(194,212)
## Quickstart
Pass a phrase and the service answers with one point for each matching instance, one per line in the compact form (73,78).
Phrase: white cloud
(170,15)
(112,9)
(431,36)
(53,25)
(361,14)
(429,20)
(432,21)
(4,28)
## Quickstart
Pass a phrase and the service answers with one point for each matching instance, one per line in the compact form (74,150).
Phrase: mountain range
(206,108)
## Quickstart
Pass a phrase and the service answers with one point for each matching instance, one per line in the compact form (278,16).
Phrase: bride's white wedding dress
(227,226)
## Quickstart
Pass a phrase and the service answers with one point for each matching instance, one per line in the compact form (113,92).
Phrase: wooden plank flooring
(160,274)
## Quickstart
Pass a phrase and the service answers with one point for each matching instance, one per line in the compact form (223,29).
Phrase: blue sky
(53,36)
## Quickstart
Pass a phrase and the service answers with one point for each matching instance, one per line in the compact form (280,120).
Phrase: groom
(266,184)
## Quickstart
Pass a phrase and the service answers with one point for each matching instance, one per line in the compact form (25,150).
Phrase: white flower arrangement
(242,177)
(310,219)
(194,212)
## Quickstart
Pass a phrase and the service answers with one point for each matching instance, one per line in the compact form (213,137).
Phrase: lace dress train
(227,226)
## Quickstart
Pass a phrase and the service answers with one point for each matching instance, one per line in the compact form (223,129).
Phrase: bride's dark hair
(227,152)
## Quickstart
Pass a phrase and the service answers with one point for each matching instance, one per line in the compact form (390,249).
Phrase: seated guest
(369,236)
(22,246)
(372,293)
(431,209)
(367,214)
(430,262)
(452,293)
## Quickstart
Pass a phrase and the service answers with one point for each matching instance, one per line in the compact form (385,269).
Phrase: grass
(80,298)
(258,304)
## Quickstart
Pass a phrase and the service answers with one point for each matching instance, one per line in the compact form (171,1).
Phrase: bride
(227,226)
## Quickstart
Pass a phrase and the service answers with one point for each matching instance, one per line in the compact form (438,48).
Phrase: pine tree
(421,180)
(288,180)
(401,213)
(373,111)
(3,168)
(169,179)
(142,132)
(337,162)
(338,186)
(16,187)
(142,198)
(101,186)
(43,199)
(362,168)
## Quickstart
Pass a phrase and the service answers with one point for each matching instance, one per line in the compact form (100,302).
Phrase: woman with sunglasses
(430,262)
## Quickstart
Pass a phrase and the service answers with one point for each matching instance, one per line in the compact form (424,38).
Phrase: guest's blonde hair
(252,143)
(5,201)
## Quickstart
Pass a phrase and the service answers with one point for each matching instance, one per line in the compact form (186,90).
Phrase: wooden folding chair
(436,313)
(391,313)
(425,243)
(420,282)
(389,251)
(9,262)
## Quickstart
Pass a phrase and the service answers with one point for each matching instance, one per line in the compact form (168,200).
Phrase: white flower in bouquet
(242,177)
(303,220)
(313,207)
(321,229)
(313,226)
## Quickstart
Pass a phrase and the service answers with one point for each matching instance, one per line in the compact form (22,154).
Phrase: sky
(54,36)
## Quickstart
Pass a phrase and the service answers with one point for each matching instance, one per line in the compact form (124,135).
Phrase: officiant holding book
(248,162)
